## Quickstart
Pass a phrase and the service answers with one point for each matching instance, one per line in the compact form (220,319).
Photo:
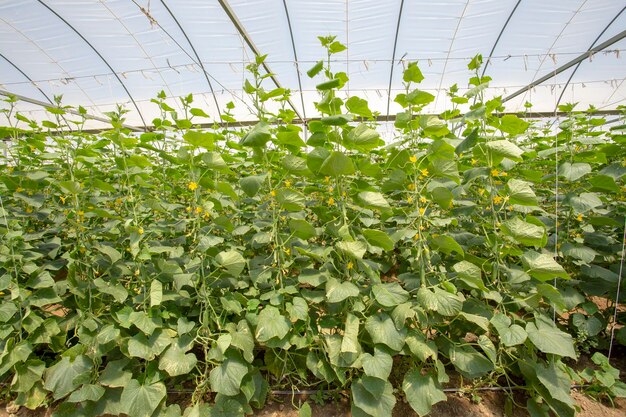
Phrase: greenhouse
(312,208)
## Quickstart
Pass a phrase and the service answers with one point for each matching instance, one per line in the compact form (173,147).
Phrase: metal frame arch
(27,77)
(101,57)
(393,55)
(193,49)
(295,56)
(246,37)
(580,63)
(493,49)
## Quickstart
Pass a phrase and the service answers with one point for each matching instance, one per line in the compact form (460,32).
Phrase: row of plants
(234,261)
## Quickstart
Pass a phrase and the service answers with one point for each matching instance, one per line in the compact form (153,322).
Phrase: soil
(491,405)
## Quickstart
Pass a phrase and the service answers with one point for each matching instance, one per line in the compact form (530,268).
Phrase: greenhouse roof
(99,53)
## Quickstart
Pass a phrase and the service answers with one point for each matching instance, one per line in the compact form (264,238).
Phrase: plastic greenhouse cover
(99,53)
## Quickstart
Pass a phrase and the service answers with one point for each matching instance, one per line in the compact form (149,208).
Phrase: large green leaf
(355,249)
(202,139)
(362,138)
(289,199)
(377,365)
(358,106)
(549,339)
(337,291)
(61,377)
(504,149)
(226,378)
(378,238)
(542,266)
(373,199)
(383,330)
(232,261)
(257,136)
(389,294)
(175,361)
(251,184)
(469,361)
(525,233)
(271,324)
(337,164)
(512,124)
(422,391)
(520,192)
(574,171)
(372,397)
(141,400)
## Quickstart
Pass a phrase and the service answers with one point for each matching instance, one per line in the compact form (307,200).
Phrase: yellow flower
(287,183)
(198,210)
(423,199)
(510,208)
(413,158)
(350,265)
(80,213)
(481,191)
(503,174)
(343,194)
(192,185)
(497,199)
(288,251)
(580,217)
(416,237)
(273,193)
(29,210)
(118,201)
(424,172)
(137,272)
(188,209)
(19,190)
(331,189)
(474,161)
(422,211)
(140,230)
(411,186)
(409,200)
(62,199)
(331,201)
(207,214)
(327,179)
(495,173)
(82,250)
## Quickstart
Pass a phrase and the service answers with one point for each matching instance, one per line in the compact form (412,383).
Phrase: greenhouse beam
(71,111)
(556,107)
(393,55)
(193,49)
(246,37)
(570,64)
(295,57)
(93,48)
(493,49)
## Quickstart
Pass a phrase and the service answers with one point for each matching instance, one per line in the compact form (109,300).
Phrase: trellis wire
(619,284)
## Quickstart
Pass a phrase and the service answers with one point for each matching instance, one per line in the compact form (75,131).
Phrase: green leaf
(337,164)
(305,410)
(470,274)
(584,202)
(88,392)
(512,124)
(142,400)
(201,139)
(520,192)
(413,73)
(359,107)
(156,293)
(419,98)
(257,136)
(579,252)
(215,161)
(372,397)
(572,172)
(504,149)
(379,365)
(549,339)
(382,329)
(422,391)
(442,196)
(302,229)
(373,199)
(70,187)
(469,362)
(296,165)
(232,261)
(337,291)
(355,249)
(362,138)
(542,266)
(251,184)
(114,375)
(556,381)
(60,377)
(378,238)
(176,362)
(476,62)
(389,294)
(441,301)
(227,377)
(525,233)
(289,199)
(271,324)
(605,183)
(328,85)
(447,245)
